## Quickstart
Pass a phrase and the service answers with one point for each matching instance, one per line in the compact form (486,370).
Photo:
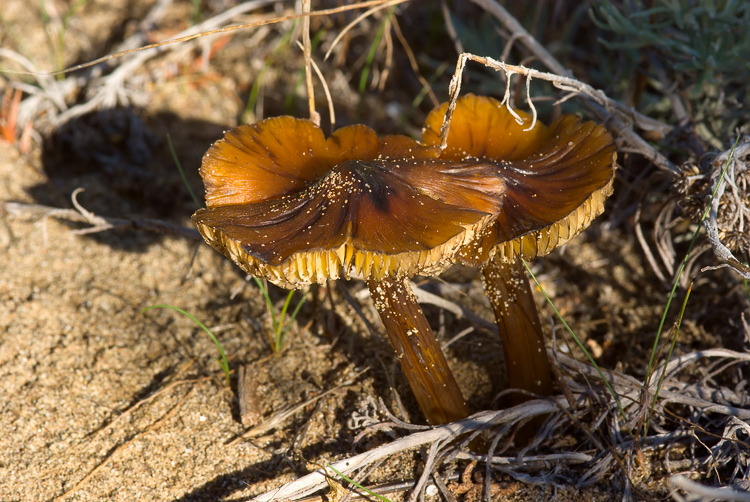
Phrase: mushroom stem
(421,357)
(507,287)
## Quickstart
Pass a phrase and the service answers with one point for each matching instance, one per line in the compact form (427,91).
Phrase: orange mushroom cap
(276,157)
(289,205)
(557,177)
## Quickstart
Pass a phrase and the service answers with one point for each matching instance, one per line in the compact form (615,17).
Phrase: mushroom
(557,178)
(288,205)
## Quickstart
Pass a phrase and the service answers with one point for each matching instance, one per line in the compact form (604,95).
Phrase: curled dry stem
(97,223)
(617,119)
(724,172)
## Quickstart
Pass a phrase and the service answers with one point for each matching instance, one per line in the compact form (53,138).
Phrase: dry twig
(97,223)
(698,492)
(614,119)
(317,480)
(740,219)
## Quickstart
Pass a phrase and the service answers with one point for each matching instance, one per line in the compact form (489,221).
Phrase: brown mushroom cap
(289,205)
(286,204)
(557,177)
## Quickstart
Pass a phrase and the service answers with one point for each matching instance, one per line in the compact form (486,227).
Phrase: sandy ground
(100,401)
(103,402)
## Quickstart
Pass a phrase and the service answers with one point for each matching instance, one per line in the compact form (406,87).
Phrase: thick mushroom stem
(421,357)
(507,287)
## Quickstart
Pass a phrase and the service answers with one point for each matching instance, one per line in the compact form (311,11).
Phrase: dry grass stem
(413,63)
(315,481)
(646,248)
(306,49)
(615,120)
(450,28)
(326,90)
(518,32)
(379,6)
(121,87)
(694,492)
(440,438)
(98,223)
(739,200)
(502,422)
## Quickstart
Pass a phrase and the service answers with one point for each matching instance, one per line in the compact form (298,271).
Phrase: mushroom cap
(557,177)
(286,204)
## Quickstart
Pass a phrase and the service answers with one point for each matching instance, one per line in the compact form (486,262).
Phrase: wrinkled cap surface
(289,205)
(286,204)
(557,178)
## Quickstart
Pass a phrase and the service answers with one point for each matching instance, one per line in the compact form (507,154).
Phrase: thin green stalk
(671,350)
(577,340)
(223,360)
(280,329)
(371,53)
(57,47)
(264,290)
(659,332)
(252,99)
(649,368)
(424,90)
(51,45)
(354,483)
(196,11)
(182,172)
(281,333)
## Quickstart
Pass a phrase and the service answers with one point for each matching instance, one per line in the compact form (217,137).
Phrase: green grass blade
(659,332)
(671,350)
(292,317)
(223,361)
(269,304)
(354,483)
(650,366)
(182,173)
(279,329)
(252,99)
(433,78)
(371,54)
(195,13)
(577,340)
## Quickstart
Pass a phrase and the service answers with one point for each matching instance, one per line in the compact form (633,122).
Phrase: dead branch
(97,223)
(629,389)
(696,491)
(609,110)
(615,116)
(317,480)
(720,180)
